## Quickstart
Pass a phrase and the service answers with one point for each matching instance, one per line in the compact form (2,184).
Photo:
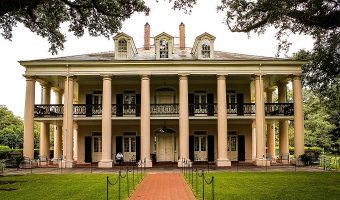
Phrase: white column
(299,143)
(270,129)
(29,118)
(75,141)
(183,119)
(57,129)
(106,161)
(68,123)
(222,131)
(44,149)
(145,120)
(253,140)
(283,125)
(259,103)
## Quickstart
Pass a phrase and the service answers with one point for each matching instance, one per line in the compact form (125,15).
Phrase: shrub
(3,148)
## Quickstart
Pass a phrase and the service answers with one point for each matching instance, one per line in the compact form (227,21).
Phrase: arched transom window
(205,48)
(122,45)
(163,49)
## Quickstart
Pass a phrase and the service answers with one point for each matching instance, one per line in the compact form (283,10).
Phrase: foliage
(44,17)
(4,148)
(317,126)
(97,17)
(12,129)
(318,18)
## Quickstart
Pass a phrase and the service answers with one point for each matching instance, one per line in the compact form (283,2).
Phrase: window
(129,102)
(129,144)
(205,48)
(97,144)
(200,143)
(163,49)
(200,102)
(122,45)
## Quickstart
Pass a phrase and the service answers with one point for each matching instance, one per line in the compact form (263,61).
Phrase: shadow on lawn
(8,182)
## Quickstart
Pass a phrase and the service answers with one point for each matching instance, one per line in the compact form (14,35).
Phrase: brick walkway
(164,186)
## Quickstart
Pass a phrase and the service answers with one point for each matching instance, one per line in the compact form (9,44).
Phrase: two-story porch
(164,138)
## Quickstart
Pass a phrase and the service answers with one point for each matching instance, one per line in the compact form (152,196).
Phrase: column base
(105,164)
(223,163)
(145,163)
(184,163)
(262,162)
(67,164)
(297,163)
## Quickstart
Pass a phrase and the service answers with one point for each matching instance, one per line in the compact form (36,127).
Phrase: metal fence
(199,180)
(123,177)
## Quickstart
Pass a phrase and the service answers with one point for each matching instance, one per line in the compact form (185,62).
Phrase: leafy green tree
(317,126)
(44,17)
(12,129)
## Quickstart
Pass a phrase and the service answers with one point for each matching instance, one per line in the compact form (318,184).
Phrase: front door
(129,147)
(232,147)
(200,148)
(165,151)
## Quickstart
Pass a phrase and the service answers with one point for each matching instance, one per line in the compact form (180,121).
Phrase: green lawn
(62,186)
(280,185)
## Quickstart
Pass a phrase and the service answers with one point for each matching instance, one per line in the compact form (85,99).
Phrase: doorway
(88,149)
(165,147)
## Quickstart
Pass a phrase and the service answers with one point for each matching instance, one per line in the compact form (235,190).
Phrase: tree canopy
(12,129)
(318,18)
(44,17)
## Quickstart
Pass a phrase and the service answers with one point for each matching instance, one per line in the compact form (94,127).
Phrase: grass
(271,185)
(62,186)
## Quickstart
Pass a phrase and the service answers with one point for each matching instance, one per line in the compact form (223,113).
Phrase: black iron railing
(48,110)
(275,109)
(164,109)
(241,108)
(207,109)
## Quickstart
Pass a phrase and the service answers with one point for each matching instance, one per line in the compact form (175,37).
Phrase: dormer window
(205,48)
(122,45)
(163,49)
(164,44)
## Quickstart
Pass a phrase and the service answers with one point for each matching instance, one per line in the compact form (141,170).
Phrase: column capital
(296,76)
(269,90)
(106,76)
(70,77)
(282,83)
(221,76)
(145,76)
(29,78)
(255,76)
(45,84)
(183,76)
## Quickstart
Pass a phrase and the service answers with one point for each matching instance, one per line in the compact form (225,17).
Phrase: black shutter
(191,99)
(240,108)
(119,104)
(88,149)
(191,148)
(138,148)
(241,148)
(119,144)
(210,100)
(211,148)
(88,101)
(138,101)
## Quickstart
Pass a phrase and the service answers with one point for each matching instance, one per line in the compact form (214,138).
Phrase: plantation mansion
(165,102)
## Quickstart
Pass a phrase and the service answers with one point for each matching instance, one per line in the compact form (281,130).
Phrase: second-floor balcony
(120,110)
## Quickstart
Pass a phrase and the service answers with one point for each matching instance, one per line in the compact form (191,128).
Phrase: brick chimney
(147,36)
(182,36)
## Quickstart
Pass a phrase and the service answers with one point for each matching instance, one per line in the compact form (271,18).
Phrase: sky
(26,45)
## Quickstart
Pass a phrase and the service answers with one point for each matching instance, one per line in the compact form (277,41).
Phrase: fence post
(324,162)
(127,179)
(119,176)
(133,176)
(107,187)
(213,187)
(203,182)
(192,177)
(196,182)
